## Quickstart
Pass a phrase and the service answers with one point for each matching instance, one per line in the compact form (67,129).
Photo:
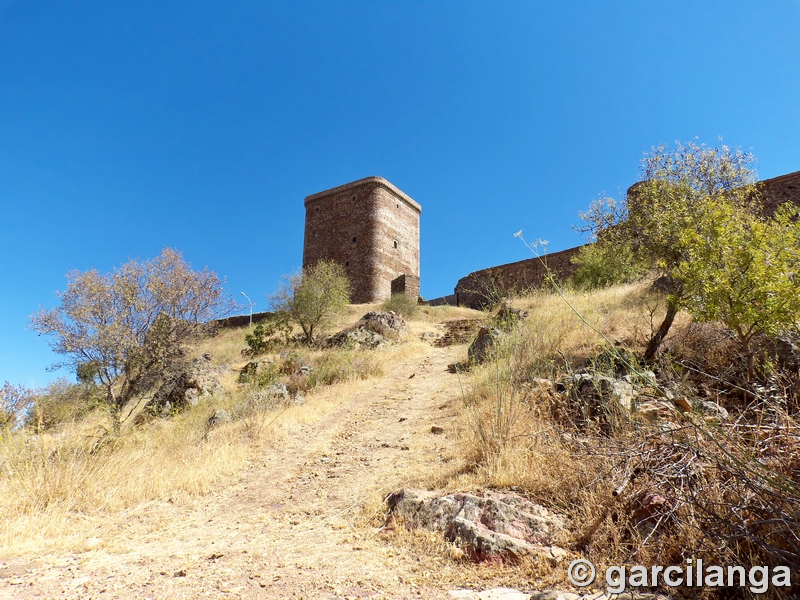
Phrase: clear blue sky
(129,126)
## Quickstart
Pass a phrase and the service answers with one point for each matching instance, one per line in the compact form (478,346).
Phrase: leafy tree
(314,297)
(742,270)
(132,325)
(674,194)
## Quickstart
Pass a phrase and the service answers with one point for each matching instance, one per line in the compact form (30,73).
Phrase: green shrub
(402,305)
(260,374)
(601,266)
(63,402)
(267,335)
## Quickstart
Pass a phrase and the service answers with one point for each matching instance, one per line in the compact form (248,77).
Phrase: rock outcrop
(493,526)
(373,330)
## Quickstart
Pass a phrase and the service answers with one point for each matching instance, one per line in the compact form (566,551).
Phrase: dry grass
(59,487)
(55,487)
(730,495)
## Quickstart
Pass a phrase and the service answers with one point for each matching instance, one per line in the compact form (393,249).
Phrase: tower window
(347,263)
(398,205)
(354,240)
(318,209)
(354,198)
(395,244)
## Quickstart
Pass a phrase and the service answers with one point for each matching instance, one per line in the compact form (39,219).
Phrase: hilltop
(301,495)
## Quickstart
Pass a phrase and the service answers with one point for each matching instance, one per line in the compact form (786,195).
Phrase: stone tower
(372,229)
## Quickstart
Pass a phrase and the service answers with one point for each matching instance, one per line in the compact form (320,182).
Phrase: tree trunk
(655,342)
(744,341)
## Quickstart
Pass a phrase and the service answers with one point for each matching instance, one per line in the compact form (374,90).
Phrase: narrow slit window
(354,240)
(395,244)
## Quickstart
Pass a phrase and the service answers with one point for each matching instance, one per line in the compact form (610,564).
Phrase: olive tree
(677,188)
(312,298)
(133,325)
(743,270)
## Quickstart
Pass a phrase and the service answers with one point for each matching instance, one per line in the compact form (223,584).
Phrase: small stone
(219,417)
(481,349)
(299,400)
(436,430)
(713,410)
(683,403)
(655,410)
(181,573)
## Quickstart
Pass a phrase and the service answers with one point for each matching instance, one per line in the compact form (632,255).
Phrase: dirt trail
(292,524)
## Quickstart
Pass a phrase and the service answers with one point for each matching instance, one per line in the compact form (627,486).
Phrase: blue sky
(202,125)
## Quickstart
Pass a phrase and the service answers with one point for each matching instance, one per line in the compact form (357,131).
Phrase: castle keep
(371,228)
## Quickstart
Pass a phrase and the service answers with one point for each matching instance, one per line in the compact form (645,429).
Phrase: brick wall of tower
(395,243)
(367,228)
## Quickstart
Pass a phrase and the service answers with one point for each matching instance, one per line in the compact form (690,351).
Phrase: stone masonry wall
(407,285)
(779,190)
(478,289)
(368,226)
(483,287)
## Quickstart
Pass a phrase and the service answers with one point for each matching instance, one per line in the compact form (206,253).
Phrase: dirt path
(292,525)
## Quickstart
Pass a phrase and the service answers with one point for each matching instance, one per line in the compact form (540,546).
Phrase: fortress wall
(779,190)
(480,288)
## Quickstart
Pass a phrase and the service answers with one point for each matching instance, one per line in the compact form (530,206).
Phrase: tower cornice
(362,183)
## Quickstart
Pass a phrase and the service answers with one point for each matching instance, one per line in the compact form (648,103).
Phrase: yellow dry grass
(57,487)
(508,430)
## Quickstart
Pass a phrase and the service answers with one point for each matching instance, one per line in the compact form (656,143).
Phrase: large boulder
(357,338)
(386,324)
(492,526)
(594,390)
(373,330)
(484,344)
